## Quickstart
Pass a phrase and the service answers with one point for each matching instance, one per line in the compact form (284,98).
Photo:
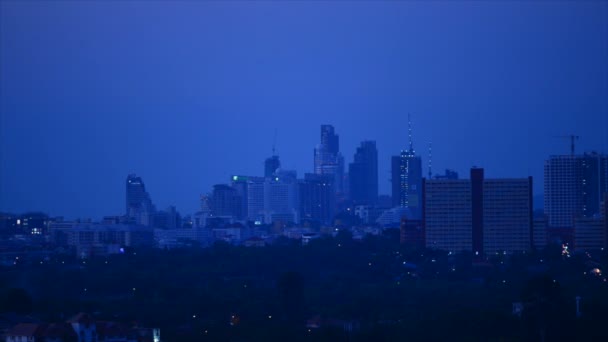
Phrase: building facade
(225,201)
(507,215)
(406,180)
(271,165)
(327,157)
(139,207)
(317,198)
(363,174)
(448,215)
(483,216)
(574,187)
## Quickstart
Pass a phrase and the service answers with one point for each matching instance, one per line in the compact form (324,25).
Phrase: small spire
(409,128)
(430,160)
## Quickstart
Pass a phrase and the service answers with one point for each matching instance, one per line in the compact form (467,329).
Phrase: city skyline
(83,104)
(346,170)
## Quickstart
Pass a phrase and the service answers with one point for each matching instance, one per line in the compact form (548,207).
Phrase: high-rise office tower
(574,187)
(317,198)
(239,183)
(255,198)
(448,220)
(271,165)
(139,207)
(363,174)
(327,157)
(281,198)
(330,139)
(507,215)
(268,199)
(484,216)
(406,180)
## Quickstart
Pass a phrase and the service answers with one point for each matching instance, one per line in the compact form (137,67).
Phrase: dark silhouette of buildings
(363,174)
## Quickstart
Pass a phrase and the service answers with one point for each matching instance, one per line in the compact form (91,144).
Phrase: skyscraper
(574,186)
(330,139)
(406,180)
(327,157)
(255,198)
(239,183)
(271,165)
(363,174)
(139,207)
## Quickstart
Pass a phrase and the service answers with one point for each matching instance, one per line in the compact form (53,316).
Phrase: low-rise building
(81,328)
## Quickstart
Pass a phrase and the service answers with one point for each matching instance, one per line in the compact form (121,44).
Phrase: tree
(291,295)
(544,309)
(17,300)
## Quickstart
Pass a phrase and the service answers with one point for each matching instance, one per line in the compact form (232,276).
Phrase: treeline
(375,287)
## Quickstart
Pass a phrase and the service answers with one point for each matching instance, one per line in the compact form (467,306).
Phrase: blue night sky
(187,93)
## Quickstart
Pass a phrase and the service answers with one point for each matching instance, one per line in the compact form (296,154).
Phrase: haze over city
(189,94)
(187,171)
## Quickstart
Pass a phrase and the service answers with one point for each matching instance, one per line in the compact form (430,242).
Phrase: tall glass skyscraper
(327,157)
(406,180)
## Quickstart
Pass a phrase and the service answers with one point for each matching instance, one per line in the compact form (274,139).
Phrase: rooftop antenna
(572,138)
(409,128)
(430,159)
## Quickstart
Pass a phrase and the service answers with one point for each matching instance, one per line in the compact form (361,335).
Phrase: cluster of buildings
(488,216)
(478,214)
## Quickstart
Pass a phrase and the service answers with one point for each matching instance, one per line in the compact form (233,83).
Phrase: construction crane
(572,138)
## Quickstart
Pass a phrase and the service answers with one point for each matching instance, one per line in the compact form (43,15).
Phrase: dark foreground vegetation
(333,289)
